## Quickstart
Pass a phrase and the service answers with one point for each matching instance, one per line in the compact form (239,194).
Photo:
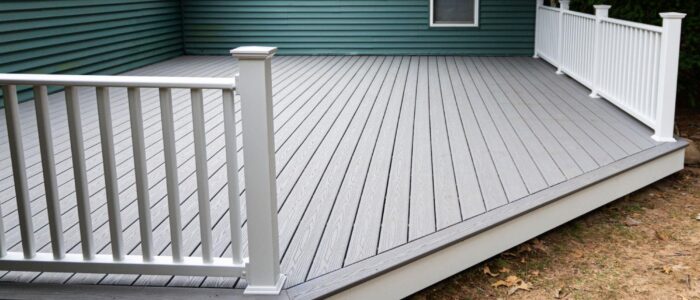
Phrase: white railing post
(601,12)
(668,76)
(537,24)
(563,5)
(255,88)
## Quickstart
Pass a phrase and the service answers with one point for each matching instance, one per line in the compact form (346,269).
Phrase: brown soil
(643,246)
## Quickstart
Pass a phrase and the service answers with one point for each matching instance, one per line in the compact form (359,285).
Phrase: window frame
(438,24)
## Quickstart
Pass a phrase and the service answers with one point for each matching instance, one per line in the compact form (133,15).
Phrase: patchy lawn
(644,246)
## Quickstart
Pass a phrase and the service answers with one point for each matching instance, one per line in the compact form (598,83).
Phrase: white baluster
(538,27)
(232,175)
(170,155)
(601,12)
(140,172)
(200,155)
(48,163)
(81,188)
(14,136)
(564,5)
(104,112)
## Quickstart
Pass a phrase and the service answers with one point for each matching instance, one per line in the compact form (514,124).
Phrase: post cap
(672,15)
(253,52)
(602,6)
(564,1)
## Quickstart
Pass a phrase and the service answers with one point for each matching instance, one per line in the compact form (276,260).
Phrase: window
(454,13)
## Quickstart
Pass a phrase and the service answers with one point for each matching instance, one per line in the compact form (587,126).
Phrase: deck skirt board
(373,154)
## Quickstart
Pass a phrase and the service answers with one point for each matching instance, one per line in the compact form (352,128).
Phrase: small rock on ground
(632,222)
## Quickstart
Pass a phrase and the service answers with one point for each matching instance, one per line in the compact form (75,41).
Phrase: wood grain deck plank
(525,123)
(513,184)
(529,172)
(533,113)
(490,185)
(351,159)
(395,231)
(617,118)
(421,219)
(447,205)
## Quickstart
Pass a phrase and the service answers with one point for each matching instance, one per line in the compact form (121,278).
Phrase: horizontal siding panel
(390,40)
(81,28)
(87,37)
(85,20)
(72,12)
(354,27)
(43,64)
(194,32)
(49,4)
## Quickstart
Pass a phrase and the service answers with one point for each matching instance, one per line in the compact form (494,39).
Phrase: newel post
(601,12)
(537,26)
(668,76)
(255,88)
(563,5)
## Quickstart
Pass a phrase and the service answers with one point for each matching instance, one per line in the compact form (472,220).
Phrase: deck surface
(373,152)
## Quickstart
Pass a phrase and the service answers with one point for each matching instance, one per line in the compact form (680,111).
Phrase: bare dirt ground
(643,246)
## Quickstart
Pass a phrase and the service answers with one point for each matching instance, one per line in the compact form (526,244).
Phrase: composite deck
(373,153)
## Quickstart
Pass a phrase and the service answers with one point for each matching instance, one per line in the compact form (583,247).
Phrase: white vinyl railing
(632,65)
(261,268)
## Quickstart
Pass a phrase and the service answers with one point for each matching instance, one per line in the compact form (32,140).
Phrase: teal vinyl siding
(390,27)
(87,37)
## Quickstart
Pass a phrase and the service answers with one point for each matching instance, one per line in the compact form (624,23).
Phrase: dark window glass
(453,11)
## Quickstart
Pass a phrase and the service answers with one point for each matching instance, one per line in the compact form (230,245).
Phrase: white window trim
(476,18)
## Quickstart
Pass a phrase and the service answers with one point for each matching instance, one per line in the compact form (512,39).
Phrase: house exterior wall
(390,27)
(87,37)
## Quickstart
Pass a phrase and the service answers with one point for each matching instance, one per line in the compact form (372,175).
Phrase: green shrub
(647,11)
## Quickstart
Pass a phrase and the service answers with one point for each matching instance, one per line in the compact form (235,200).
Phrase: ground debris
(487,271)
(560,293)
(629,221)
(513,283)
(661,235)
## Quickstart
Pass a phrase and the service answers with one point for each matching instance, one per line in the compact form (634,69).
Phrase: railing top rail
(549,8)
(633,24)
(118,81)
(579,14)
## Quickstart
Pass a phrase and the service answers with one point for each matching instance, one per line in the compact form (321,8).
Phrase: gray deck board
(368,220)
(350,170)
(595,126)
(522,122)
(533,113)
(490,183)
(372,153)
(447,206)
(468,191)
(367,183)
(617,118)
(395,233)
(526,167)
(422,207)
(512,182)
